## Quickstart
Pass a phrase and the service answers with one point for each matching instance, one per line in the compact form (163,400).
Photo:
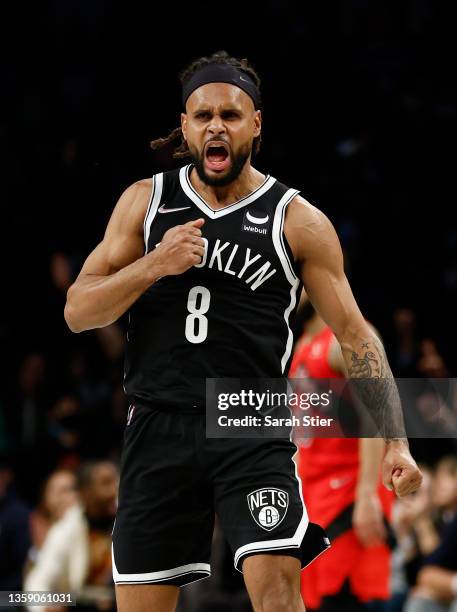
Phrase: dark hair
(86,471)
(85,474)
(221,57)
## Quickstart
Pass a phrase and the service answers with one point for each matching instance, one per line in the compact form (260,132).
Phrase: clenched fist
(181,248)
(399,470)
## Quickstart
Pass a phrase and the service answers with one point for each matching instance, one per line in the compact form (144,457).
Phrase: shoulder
(138,191)
(143,185)
(308,229)
(303,213)
(131,207)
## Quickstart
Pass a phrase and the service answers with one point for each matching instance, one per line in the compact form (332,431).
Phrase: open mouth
(217,156)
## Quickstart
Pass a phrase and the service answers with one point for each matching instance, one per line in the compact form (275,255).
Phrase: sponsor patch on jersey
(256,222)
(268,507)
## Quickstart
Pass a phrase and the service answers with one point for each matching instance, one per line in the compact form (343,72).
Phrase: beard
(238,162)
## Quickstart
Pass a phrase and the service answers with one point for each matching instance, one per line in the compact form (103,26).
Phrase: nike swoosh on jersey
(168,210)
(258,220)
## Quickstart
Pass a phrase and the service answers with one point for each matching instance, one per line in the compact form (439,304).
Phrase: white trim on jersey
(196,198)
(278,243)
(148,577)
(278,234)
(290,335)
(282,543)
(156,196)
(151,197)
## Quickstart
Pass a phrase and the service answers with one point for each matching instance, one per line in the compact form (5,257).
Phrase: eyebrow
(210,109)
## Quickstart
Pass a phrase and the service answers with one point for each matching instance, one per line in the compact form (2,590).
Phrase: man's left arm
(317,249)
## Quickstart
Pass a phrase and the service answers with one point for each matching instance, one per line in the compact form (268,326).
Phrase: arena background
(359,113)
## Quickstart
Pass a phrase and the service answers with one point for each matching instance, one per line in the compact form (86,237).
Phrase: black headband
(221,73)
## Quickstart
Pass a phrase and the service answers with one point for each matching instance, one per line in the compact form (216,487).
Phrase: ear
(257,123)
(184,125)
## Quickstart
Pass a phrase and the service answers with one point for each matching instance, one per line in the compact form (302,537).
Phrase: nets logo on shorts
(268,507)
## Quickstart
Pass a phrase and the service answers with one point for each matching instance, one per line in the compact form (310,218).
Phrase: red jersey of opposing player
(328,468)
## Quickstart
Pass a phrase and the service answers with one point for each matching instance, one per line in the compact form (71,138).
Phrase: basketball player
(209,260)
(341,485)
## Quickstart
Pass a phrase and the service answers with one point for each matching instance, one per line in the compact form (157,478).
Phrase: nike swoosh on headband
(258,220)
(168,210)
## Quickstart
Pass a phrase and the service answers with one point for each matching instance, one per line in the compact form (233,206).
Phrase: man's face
(60,493)
(100,496)
(219,126)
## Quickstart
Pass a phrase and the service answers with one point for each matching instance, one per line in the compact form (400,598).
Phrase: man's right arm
(117,272)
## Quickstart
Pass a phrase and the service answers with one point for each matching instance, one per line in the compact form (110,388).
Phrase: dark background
(359,113)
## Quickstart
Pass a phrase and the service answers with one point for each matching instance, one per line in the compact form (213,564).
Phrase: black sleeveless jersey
(226,317)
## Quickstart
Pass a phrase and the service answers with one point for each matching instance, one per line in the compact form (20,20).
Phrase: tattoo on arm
(374,385)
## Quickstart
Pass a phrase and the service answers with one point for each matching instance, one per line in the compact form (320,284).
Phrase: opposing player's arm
(367,517)
(117,272)
(316,247)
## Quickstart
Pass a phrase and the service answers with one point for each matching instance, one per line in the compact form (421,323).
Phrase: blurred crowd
(425,557)
(63,543)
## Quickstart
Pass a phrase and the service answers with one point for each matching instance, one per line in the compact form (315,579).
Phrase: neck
(247,181)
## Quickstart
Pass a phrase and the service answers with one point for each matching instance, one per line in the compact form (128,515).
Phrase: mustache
(216,139)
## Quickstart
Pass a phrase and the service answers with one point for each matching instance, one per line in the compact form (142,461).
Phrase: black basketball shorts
(174,480)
